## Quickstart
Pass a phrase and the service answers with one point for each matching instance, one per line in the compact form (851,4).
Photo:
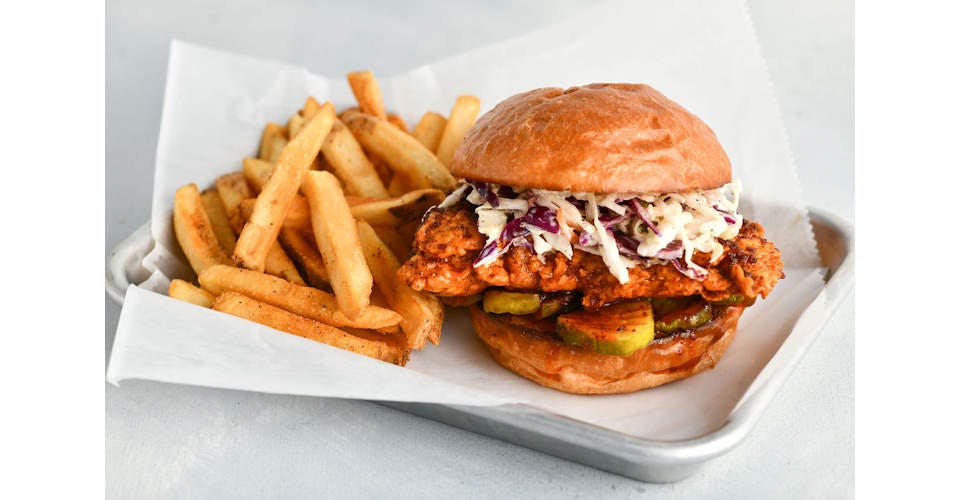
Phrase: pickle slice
(695,314)
(553,304)
(618,330)
(502,302)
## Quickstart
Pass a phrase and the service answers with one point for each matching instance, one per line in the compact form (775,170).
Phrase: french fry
(391,335)
(271,133)
(257,172)
(218,219)
(350,164)
(367,92)
(408,232)
(401,151)
(422,313)
(186,292)
(233,189)
(397,211)
(279,142)
(298,299)
(278,263)
(335,231)
(462,116)
(359,200)
(383,170)
(310,109)
(399,184)
(298,216)
(429,130)
(194,231)
(303,251)
(260,232)
(254,310)
(391,237)
(351,109)
(294,124)
(398,122)
(435,311)
(377,299)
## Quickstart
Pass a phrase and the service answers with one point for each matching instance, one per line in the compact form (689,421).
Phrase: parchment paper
(702,54)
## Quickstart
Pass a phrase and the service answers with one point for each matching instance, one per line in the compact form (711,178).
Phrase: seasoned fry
(398,122)
(279,142)
(335,231)
(303,250)
(273,133)
(391,237)
(435,311)
(408,232)
(330,200)
(367,92)
(383,170)
(194,231)
(462,116)
(233,190)
(298,216)
(294,124)
(422,313)
(254,310)
(351,109)
(186,292)
(401,151)
(279,264)
(430,129)
(350,164)
(260,232)
(218,219)
(310,109)
(303,300)
(396,211)
(399,184)
(257,172)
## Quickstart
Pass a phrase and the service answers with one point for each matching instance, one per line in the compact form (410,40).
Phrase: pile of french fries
(305,238)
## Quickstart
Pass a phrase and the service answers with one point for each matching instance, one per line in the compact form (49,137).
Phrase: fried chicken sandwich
(596,239)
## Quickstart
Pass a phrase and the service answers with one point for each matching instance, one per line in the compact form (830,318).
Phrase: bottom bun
(546,360)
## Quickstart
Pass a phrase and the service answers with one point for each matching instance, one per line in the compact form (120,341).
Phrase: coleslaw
(625,230)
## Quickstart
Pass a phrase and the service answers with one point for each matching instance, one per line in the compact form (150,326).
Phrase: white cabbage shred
(697,220)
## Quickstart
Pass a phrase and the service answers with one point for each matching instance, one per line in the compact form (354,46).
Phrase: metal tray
(642,459)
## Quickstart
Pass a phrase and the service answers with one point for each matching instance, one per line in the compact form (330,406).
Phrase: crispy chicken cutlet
(448,243)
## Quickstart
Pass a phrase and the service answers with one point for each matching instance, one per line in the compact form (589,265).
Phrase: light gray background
(175,441)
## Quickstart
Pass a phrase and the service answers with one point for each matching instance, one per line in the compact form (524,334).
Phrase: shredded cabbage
(625,230)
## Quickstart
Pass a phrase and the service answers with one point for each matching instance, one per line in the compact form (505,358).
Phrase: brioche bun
(546,360)
(599,138)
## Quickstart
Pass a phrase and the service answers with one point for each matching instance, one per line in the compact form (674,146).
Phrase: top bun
(599,138)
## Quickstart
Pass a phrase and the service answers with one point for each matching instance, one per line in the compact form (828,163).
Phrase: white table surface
(177,441)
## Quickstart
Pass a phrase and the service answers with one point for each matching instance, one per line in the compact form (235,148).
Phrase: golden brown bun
(549,362)
(599,138)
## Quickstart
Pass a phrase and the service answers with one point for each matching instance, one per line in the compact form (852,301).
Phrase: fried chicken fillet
(448,243)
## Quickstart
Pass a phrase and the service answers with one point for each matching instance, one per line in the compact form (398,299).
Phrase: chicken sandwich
(596,239)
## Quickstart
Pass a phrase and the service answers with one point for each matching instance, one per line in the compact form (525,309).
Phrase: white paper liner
(703,56)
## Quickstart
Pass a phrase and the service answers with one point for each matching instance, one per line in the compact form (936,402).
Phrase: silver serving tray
(643,459)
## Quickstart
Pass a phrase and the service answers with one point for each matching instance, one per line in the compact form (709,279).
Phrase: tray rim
(639,458)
